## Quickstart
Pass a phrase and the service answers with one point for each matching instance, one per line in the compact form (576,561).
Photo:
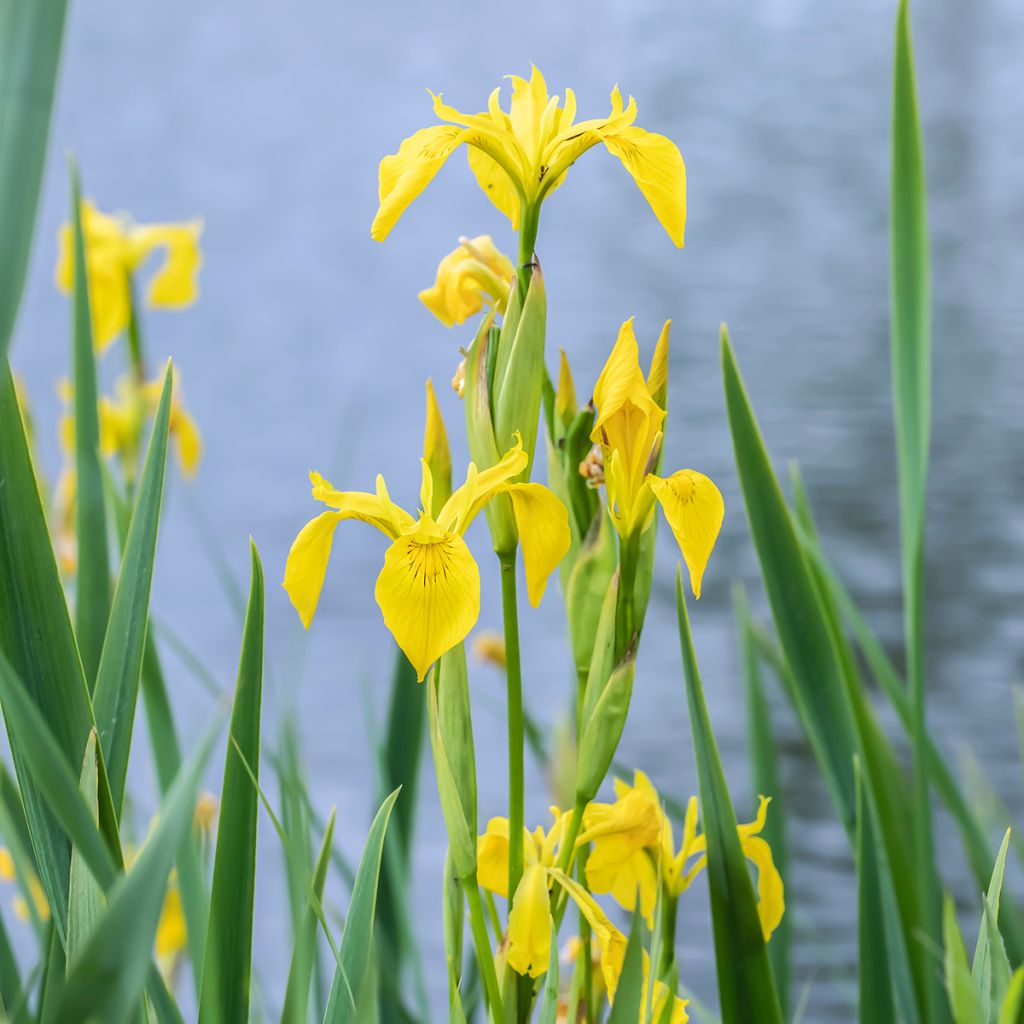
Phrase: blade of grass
(107,980)
(982,965)
(357,939)
(910,298)
(746,987)
(13,998)
(117,681)
(963,996)
(92,587)
(228,961)
(85,903)
(764,758)
(37,640)
(630,991)
(31,34)
(296,1000)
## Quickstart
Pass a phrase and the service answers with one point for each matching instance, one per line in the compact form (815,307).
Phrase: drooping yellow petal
(496,184)
(694,509)
(176,283)
(543,525)
(187,438)
(429,594)
(307,564)
(405,174)
(770,898)
(529,924)
(492,857)
(376,509)
(658,169)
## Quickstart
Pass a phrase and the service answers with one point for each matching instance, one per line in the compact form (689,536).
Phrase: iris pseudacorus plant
(475,274)
(521,155)
(628,429)
(115,248)
(429,588)
(633,846)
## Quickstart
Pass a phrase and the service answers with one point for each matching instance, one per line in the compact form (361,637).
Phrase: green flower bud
(603,729)
(586,588)
(451,740)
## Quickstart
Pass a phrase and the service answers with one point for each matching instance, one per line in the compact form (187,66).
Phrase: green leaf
(92,588)
(746,987)
(910,299)
(630,991)
(117,681)
(35,633)
(31,33)
(53,779)
(764,759)
(86,900)
(963,996)
(1012,1010)
(296,999)
(547,1012)
(228,964)
(13,998)
(989,948)
(886,981)
(357,939)
(107,980)
(53,978)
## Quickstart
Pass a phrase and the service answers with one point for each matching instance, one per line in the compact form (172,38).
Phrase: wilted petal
(694,509)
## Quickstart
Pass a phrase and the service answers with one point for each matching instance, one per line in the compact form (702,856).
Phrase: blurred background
(309,349)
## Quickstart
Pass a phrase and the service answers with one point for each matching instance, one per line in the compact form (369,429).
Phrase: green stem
(581,692)
(135,334)
(527,245)
(586,964)
(669,908)
(484,957)
(515,722)
(625,612)
(566,849)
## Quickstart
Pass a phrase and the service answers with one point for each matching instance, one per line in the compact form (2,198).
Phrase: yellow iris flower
(529,920)
(474,274)
(613,946)
(429,588)
(520,156)
(35,888)
(115,247)
(628,428)
(624,861)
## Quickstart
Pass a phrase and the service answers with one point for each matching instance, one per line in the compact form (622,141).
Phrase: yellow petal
(770,899)
(621,389)
(429,594)
(529,924)
(694,509)
(171,936)
(376,509)
(109,303)
(565,396)
(658,169)
(496,184)
(662,995)
(529,103)
(176,283)
(543,524)
(492,857)
(466,501)
(6,865)
(405,174)
(657,376)
(307,564)
(187,438)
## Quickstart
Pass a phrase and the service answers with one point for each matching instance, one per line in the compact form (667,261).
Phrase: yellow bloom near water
(521,155)
(632,835)
(628,429)
(115,248)
(429,588)
(475,274)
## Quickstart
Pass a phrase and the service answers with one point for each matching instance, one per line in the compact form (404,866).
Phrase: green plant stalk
(625,612)
(485,959)
(669,913)
(515,722)
(585,961)
(527,244)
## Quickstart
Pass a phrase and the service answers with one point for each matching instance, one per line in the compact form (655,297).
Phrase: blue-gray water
(309,349)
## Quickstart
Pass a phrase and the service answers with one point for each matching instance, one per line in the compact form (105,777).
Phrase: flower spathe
(471,276)
(628,428)
(521,155)
(429,588)
(630,837)
(115,247)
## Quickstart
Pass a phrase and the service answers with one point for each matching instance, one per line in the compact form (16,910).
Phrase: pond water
(309,349)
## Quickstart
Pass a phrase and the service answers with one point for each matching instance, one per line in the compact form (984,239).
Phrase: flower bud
(603,729)
(586,588)
(436,453)
(451,740)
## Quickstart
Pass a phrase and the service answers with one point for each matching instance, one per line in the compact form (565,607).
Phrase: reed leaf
(228,960)
(746,987)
